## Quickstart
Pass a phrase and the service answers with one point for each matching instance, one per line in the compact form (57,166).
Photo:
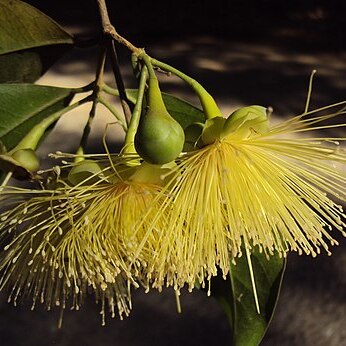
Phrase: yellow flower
(254,187)
(75,238)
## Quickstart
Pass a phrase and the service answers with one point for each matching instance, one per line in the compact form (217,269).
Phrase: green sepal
(212,130)
(27,158)
(152,174)
(22,165)
(85,172)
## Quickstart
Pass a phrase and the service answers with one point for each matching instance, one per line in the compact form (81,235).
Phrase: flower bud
(159,138)
(85,172)
(246,122)
(27,159)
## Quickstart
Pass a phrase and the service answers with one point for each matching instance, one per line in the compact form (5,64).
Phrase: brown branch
(109,31)
(125,103)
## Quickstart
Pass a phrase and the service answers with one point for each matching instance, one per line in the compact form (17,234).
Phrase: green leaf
(23,27)
(182,111)
(237,297)
(22,106)
(21,67)
(28,38)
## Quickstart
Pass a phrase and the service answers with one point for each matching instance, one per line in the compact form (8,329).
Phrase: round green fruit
(159,138)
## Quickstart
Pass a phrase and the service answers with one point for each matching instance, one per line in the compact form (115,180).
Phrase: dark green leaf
(237,297)
(23,27)
(29,40)
(22,106)
(21,67)
(182,111)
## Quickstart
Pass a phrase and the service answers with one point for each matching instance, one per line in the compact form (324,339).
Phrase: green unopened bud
(27,158)
(246,122)
(85,172)
(159,138)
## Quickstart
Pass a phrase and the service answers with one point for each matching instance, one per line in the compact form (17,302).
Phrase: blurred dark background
(312,24)
(244,52)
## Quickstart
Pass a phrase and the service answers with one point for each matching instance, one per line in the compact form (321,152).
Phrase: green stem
(147,61)
(209,105)
(155,100)
(85,88)
(115,92)
(114,111)
(131,132)
(31,140)
(95,98)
